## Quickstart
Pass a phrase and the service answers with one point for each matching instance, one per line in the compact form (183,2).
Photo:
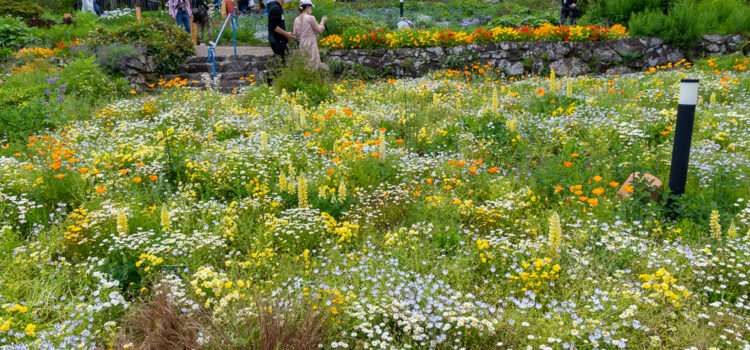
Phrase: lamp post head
(688,92)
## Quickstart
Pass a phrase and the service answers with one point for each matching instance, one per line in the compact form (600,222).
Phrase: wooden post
(138,13)
(193,31)
(224,8)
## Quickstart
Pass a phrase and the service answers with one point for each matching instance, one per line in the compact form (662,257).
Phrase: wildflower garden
(460,210)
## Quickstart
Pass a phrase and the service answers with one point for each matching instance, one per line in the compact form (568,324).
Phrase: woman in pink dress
(306,29)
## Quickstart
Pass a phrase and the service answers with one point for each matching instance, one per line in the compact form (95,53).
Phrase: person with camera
(180,12)
(569,11)
(306,29)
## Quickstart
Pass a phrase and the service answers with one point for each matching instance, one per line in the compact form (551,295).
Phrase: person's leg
(573,16)
(208,31)
(562,16)
(184,20)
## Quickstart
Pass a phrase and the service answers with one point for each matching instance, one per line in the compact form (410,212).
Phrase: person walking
(180,12)
(278,37)
(569,10)
(202,21)
(306,29)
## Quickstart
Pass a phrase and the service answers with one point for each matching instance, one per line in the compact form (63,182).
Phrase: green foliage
(20,121)
(15,34)
(168,44)
(57,6)
(296,76)
(20,8)
(612,12)
(524,17)
(110,58)
(338,25)
(86,79)
(689,20)
(83,23)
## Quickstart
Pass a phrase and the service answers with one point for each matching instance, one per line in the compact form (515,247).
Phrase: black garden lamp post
(682,137)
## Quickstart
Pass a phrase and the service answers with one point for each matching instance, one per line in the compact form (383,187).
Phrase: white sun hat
(306,2)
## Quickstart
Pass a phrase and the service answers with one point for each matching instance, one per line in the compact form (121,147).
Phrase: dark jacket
(566,3)
(275,19)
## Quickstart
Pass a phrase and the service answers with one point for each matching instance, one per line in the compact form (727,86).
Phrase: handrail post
(235,24)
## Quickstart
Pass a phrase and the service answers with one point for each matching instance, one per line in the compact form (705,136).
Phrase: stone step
(224,76)
(230,58)
(222,67)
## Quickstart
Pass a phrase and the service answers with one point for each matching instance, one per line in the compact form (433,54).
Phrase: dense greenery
(458,209)
(167,43)
(21,8)
(688,20)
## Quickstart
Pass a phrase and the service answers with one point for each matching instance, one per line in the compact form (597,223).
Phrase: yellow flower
(30,330)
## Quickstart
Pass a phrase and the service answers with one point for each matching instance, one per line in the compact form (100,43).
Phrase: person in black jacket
(202,21)
(569,10)
(278,37)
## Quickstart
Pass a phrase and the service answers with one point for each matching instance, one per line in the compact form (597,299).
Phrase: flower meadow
(358,38)
(461,210)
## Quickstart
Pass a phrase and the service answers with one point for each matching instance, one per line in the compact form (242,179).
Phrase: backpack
(200,11)
(199,14)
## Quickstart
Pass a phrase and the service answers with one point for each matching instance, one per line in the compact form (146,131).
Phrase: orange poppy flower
(398,140)
(55,166)
(375,155)
(448,187)
(559,188)
(597,178)
(473,170)
(60,176)
(429,181)
(101,189)
(124,171)
(628,188)
(153,177)
(83,170)
(137,180)
(614,184)
(493,170)
(307,134)
(540,92)
(597,191)
(30,166)
(568,164)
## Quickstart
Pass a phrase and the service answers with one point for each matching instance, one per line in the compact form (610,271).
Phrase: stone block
(571,66)
(653,184)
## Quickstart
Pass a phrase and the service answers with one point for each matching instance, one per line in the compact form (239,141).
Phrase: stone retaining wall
(516,58)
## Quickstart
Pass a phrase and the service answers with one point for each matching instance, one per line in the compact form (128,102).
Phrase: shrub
(82,24)
(39,22)
(168,44)
(338,25)
(86,79)
(111,58)
(16,35)
(689,20)
(57,6)
(617,11)
(296,77)
(20,8)
(19,121)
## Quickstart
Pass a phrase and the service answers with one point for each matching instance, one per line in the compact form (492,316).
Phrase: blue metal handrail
(212,49)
